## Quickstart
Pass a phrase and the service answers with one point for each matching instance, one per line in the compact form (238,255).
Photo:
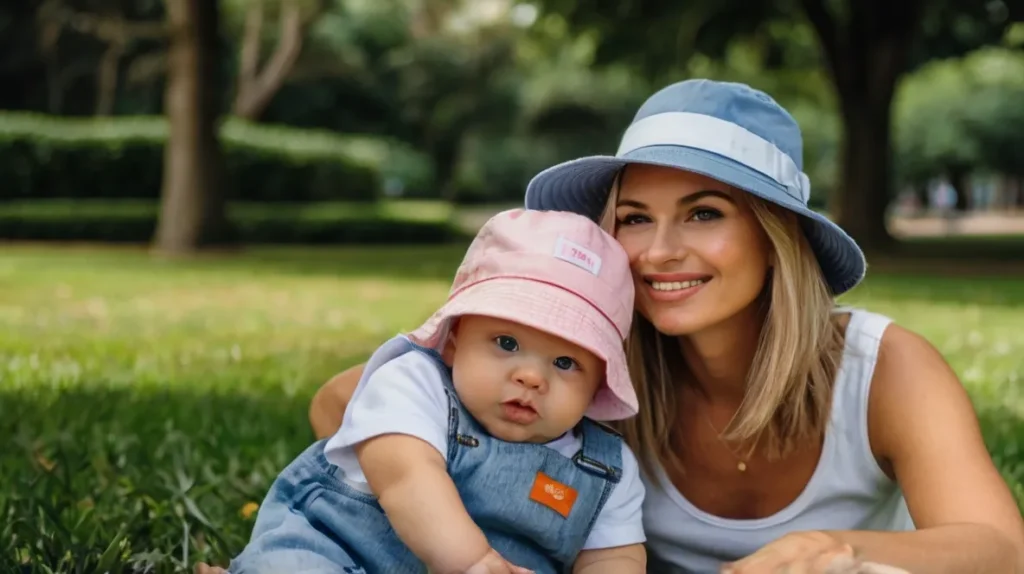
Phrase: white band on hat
(722,137)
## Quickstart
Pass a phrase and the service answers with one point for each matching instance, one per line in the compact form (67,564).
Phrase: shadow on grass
(130,481)
(966,247)
(958,256)
(932,287)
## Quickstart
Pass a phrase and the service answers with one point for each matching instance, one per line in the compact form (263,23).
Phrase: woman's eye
(565,363)
(507,343)
(632,219)
(705,214)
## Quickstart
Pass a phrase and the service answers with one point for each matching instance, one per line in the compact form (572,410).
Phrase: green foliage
(961,115)
(931,134)
(56,157)
(996,121)
(497,169)
(665,41)
(134,221)
(148,402)
(659,39)
(953,28)
(431,73)
(570,117)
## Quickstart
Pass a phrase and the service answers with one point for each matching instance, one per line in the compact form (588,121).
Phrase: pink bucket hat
(557,272)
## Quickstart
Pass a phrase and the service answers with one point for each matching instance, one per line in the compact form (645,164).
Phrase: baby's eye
(507,343)
(565,363)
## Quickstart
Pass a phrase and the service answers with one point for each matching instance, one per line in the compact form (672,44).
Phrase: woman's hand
(327,408)
(811,552)
(204,568)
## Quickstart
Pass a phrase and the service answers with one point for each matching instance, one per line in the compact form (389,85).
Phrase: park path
(983,223)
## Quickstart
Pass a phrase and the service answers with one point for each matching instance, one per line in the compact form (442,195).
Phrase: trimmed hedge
(134,221)
(45,157)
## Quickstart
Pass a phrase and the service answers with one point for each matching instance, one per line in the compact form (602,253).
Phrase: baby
(470,444)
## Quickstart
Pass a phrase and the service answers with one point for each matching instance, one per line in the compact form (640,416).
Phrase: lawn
(146,403)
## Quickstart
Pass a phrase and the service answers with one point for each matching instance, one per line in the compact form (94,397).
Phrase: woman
(777,432)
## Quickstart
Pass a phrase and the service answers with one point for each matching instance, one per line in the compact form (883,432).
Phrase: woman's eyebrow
(707,193)
(696,196)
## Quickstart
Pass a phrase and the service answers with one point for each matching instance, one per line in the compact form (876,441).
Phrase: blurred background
(208,207)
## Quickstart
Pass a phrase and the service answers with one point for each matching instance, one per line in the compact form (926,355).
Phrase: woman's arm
(923,426)
(924,431)
(328,405)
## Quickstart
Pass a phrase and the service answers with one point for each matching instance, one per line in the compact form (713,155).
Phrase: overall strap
(456,412)
(442,369)
(601,453)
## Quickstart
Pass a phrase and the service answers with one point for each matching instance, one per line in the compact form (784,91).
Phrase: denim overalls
(312,520)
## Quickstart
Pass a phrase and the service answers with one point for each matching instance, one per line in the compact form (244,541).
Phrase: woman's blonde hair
(789,385)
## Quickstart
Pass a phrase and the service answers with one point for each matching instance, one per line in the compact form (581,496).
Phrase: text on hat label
(568,250)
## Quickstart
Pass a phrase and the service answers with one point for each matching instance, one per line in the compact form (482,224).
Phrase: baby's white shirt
(405,394)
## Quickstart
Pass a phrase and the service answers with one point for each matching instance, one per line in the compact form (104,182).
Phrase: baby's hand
(493,563)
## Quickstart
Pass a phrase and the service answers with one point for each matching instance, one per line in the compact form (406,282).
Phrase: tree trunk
(867,52)
(106,79)
(861,199)
(50,31)
(257,88)
(192,210)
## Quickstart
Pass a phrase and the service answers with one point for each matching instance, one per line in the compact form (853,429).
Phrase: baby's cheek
(474,394)
(572,401)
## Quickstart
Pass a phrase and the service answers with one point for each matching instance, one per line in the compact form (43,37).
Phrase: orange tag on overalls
(553,494)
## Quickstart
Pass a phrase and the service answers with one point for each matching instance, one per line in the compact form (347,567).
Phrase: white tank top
(848,490)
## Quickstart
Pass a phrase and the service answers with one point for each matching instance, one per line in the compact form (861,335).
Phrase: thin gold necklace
(741,464)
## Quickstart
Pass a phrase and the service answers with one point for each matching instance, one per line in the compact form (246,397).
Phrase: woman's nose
(665,246)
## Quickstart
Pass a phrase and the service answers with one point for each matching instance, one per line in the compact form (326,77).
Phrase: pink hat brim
(551,309)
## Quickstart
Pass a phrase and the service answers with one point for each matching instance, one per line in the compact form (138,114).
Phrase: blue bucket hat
(723,130)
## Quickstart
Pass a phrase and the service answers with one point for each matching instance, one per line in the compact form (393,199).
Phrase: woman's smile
(674,287)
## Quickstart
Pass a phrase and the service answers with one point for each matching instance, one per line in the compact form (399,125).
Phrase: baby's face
(521,384)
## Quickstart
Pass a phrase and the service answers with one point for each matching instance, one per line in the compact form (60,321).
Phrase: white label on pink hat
(578,255)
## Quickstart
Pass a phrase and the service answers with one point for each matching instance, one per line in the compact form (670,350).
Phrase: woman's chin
(678,324)
(697,319)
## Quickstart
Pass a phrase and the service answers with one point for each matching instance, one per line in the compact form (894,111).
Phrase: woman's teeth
(676,285)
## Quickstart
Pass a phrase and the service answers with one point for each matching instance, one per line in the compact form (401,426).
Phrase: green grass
(145,402)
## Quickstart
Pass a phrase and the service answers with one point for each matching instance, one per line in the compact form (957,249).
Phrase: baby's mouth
(520,411)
